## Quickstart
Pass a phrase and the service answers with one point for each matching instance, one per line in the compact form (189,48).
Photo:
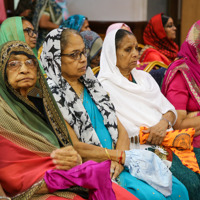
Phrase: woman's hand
(115,169)
(157,133)
(66,158)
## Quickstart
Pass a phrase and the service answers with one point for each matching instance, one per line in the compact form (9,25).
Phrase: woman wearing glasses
(19,28)
(159,36)
(37,160)
(96,132)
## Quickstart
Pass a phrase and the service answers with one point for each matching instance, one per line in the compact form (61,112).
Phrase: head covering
(117,26)
(24,125)
(12,29)
(74,22)
(165,19)
(93,43)
(136,104)
(68,101)
(188,65)
(28,117)
(155,35)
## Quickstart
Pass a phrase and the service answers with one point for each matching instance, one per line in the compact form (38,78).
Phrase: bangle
(107,153)
(120,158)
(4,197)
(169,123)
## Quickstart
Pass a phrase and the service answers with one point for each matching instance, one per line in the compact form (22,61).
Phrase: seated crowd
(80,117)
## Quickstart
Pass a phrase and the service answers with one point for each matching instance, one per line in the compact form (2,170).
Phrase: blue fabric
(144,191)
(138,188)
(74,22)
(97,120)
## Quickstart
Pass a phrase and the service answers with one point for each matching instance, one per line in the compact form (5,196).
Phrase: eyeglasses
(16,64)
(77,55)
(31,32)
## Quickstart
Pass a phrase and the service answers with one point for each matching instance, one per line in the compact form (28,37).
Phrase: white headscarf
(137,104)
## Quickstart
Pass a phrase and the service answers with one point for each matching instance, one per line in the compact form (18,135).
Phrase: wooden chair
(96,70)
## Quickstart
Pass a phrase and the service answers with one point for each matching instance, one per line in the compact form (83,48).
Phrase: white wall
(110,10)
(16,3)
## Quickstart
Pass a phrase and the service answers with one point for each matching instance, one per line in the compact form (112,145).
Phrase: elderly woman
(159,36)
(76,22)
(34,140)
(19,28)
(93,44)
(31,127)
(90,116)
(139,102)
(181,84)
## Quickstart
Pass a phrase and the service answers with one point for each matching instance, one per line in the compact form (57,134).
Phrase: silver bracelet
(169,123)
(4,197)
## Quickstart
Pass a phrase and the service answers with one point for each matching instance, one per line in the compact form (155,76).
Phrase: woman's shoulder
(150,54)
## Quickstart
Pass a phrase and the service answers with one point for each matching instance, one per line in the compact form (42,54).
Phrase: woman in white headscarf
(139,102)
(135,94)
(90,116)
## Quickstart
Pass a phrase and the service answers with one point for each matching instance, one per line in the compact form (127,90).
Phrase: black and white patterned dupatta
(68,101)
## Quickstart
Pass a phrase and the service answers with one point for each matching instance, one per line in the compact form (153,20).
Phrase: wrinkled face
(95,61)
(30,36)
(170,29)
(85,26)
(73,65)
(127,54)
(21,73)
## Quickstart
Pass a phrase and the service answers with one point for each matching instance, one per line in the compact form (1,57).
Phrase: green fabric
(27,113)
(12,29)
(190,179)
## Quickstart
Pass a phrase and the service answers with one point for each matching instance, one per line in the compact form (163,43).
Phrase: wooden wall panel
(100,27)
(190,14)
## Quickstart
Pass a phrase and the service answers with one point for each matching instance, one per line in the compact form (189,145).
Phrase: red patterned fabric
(151,55)
(154,35)
(21,168)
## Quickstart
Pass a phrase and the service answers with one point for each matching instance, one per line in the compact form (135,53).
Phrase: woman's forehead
(18,56)
(128,40)
(75,43)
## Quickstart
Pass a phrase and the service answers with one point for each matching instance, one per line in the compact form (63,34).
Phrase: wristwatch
(169,123)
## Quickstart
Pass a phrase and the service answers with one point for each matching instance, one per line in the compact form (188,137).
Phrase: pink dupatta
(188,64)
